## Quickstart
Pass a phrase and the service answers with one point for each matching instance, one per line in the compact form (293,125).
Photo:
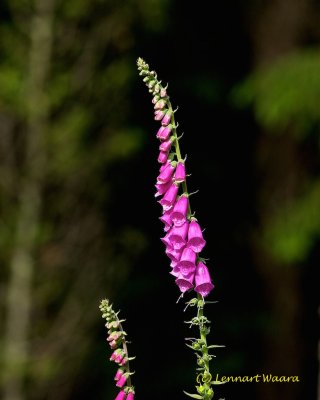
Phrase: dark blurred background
(78,218)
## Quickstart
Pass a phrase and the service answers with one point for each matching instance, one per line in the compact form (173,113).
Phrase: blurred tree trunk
(278,30)
(22,264)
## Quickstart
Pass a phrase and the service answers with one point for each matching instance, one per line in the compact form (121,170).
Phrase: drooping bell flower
(122,380)
(162,188)
(173,254)
(166,219)
(169,197)
(179,213)
(195,238)
(165,240)
(166,119)
(166,174)
(203,280)
(187,263)
(163,156)
(177,236)
(159,114)
(185,282)
(114,335)
(164,132)
(175,272)
(118,374)
(180,174)
(166,145)
(121,395)
(115,355)
(130,396)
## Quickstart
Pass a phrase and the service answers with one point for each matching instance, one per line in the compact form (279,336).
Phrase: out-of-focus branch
(19,296)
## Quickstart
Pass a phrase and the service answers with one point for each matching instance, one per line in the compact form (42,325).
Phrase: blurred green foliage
(285,97)
(286,93)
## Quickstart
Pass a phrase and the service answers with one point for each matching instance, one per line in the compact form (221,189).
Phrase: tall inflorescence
(183,237)
(118,344)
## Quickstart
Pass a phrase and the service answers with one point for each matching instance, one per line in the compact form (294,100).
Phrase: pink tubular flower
(166,174)
(166,119)
(173,254)
(130,396)
(122,381)
(177,236)
(203,280)
(155,99)
(163,156)
(187,261)
(118,374)
(169,198)
(115,355)
(179,213)
(121,395)
(180,175)
(166,219)
(175,272)
(162,188)
(164,132)
(185,282)
(166,145)
(159,114)
(195,238)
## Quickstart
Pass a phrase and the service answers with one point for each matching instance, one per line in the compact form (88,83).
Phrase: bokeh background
(78,218)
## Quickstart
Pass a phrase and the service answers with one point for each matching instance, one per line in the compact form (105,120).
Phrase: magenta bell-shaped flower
(169,198)
(162,188)
(175,272)
(177,236)
(121,395)
(163,156)
(179,213)
(195,238)
(166,174)
(164,132)
(180,175)
(166,219)
(166,119)
(187,263)
(122,381)
(166,145)
(203,280)
(118,374)
(173,254)
(130,396)
(185,282)
(159,114)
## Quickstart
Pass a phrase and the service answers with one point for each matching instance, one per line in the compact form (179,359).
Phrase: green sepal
(215,345)
(194,396)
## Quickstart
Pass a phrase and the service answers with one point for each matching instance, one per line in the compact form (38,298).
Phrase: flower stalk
(183,239)
(117,342)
